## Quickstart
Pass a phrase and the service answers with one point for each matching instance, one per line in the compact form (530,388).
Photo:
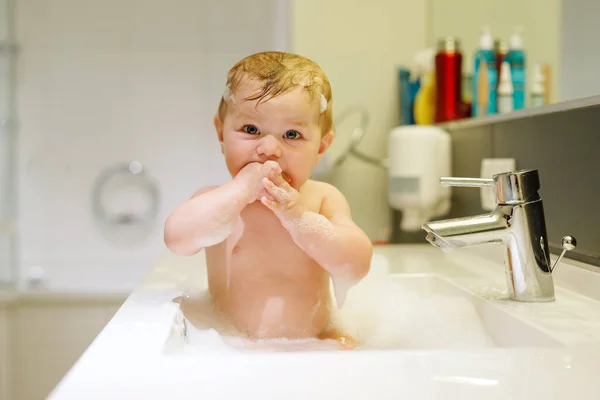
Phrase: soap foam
(341,284)
(378,312)
(216,230)
(311,222)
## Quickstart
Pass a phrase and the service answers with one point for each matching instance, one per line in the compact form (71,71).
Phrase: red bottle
(501,48)
(448,81)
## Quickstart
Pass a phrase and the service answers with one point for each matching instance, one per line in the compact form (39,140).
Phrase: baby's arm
(329,237)
(209,216)
(206,219)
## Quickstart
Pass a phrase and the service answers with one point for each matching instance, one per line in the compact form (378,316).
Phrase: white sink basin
(412,311)
(504,329)
(434,311)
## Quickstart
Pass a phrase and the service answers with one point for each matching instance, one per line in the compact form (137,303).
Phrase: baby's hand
(252,175)
(282,199)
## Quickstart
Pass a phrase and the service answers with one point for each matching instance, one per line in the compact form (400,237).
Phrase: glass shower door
(7,146)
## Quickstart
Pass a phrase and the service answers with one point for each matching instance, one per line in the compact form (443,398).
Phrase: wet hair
(279,72)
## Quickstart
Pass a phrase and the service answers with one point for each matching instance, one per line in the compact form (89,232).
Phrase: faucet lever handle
(467,182)
(568,243)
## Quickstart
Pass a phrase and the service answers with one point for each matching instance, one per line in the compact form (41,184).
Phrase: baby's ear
(326,141)
(219,128)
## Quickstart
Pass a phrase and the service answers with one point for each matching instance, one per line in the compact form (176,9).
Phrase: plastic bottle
(424,106)
(501,48)
(420,66)
(448,80)
(505,90)
(487,53)
(516,59)
(425,101)
(538,88)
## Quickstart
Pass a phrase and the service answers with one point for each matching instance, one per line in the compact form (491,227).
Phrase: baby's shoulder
(320,189)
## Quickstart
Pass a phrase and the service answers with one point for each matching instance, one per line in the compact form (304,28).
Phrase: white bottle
(538,88)
(505,90)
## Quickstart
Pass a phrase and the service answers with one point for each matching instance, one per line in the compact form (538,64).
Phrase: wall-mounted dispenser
(418,155)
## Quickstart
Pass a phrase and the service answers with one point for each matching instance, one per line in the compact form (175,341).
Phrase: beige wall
(359,45)
(41,339)
(4,377)
(464,19)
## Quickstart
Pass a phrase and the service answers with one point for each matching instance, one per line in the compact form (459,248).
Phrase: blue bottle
(405,104)
(516,59)
(485,52)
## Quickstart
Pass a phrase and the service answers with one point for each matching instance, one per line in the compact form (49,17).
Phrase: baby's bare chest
(261,249)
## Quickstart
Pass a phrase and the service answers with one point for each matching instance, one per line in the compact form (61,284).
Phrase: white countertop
(128,359)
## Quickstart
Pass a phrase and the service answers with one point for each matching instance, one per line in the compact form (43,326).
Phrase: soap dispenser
(418,156)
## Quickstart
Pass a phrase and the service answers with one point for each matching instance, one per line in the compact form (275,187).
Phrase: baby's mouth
(286,178)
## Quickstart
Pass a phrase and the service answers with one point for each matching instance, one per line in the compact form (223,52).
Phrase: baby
(273,238)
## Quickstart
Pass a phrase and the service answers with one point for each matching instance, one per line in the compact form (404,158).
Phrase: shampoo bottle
(538,88)
(505,90)
(487,54)
(516,59)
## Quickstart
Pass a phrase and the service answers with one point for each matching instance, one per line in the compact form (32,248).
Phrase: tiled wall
(563,143)
(107,81)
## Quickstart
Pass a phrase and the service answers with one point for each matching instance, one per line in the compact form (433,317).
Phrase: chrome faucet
(517,222)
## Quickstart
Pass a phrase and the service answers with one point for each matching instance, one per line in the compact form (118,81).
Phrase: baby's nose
(269,147)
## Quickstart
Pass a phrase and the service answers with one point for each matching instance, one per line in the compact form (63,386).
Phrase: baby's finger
(273,169)
(270,204)
(264,193)
(276,178)
(286,185)
(277,192)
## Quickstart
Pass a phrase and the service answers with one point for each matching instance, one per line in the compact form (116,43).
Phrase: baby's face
(284,129)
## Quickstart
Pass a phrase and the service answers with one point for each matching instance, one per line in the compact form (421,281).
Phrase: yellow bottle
(425,101)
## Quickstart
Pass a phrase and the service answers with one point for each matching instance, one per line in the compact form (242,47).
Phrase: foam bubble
(311,222)
(378,312)
(215,231)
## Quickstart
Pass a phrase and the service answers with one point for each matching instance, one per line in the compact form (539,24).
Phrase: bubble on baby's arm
(216,230)
(315,223)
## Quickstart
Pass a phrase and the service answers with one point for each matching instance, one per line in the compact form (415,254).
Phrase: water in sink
(382,312)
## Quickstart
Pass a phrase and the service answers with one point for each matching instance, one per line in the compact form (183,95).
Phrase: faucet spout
(455,233)
(517,223)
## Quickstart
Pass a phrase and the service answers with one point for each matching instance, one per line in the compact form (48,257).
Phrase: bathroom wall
(4,358)
(579,38)
(561,141)
(7,143)
(41,338)
(106,81)
(539,20)
(360,45)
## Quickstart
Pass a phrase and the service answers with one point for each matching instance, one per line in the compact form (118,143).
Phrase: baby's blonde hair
(281,72)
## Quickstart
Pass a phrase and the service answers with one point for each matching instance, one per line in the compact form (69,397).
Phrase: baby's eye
(251,129)
(292,134)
